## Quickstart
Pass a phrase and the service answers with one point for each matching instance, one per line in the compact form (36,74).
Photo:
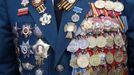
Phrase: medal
(25,2)
(83,43)
(109,5)
(102,58)
(25,49)
(100,4)
(95,60)
(37,3)
(118,40)
(45,19)
(109,58)
(119,71)
(27,66)
(41,50)
(92,42)
(70,28)
(37,31)
(101,41)
(118,57)
(39,72)
(73,46)
(73,61)
(76,17)
(26,30)
(118,6)
(87,25)
(102,71)
(83,61)
(110,41)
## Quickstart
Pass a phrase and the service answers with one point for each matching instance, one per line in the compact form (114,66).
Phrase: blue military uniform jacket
(58,56)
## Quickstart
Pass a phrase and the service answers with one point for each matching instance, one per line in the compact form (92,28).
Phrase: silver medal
(25,2)
(75,18)
(45,19)
(37,31)
(39,72)
(27,66)
(73,46)
(25,49)
(83,43)
(41,51)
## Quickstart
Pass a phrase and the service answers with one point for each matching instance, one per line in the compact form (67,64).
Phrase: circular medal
(100,4)
(107,25)
(95,60)
(118,6)
(110,41)
(73,46)
(118,57)
(37,3)
(101,41)
(118,40)
(111,72)
(119,71)
(102,58)
(73,62)
(92,42)
(109,5)
(83,43)
(87,26)
(75,18)
(109,58)
(102,71)
(83,61)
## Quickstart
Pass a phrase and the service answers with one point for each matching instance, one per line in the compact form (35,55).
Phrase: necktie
(58,13)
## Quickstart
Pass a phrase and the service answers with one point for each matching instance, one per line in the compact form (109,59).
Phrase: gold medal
(37,3)
(111,72)
(118,57)
(118,40)
(109,5)
(101,41)
(118,6)
(110,41)
(95,60)
(100,4)
(102,71)
(92,42)
(83,61)
(119,71)
(109,58)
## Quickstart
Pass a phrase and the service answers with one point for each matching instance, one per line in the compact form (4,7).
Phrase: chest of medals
(98,46)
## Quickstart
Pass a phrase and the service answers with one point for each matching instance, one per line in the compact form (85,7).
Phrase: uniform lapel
(62,42)
(49,31)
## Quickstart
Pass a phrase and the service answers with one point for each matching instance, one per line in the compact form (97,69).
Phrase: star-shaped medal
(41,51)
(25,49)
(25,2)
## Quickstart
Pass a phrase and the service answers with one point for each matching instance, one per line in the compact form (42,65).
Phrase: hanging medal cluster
(99,45)
(31,56)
